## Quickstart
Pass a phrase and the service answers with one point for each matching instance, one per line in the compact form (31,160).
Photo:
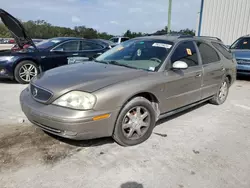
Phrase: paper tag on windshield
(167,46)
(139,52)
(55,41)
(151,68)
(189,52)
(120,48)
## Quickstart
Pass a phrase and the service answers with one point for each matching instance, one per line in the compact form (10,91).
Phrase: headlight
(77,100)
(6,58)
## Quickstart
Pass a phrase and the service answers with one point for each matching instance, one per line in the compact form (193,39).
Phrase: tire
(127,115)
(217,100)
(19,77)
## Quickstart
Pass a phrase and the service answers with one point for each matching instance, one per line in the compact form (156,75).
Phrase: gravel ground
(208,146)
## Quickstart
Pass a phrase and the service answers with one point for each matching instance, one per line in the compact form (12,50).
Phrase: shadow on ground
(169,118)
(131,185)
(24,144)
(243,78)
(7,81)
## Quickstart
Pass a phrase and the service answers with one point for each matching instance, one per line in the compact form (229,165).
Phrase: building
(225,19)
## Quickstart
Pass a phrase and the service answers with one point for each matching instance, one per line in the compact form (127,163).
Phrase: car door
(183,87)
(61,54)
(212,67)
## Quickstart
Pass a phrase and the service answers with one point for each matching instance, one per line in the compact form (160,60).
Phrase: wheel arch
(27,59)
(147,95)
(229,78)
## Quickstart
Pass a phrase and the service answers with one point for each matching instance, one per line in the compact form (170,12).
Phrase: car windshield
(242,43)
(146,54)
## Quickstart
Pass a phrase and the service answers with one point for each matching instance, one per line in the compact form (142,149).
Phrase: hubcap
(223,91)
(27,72)
(136,123)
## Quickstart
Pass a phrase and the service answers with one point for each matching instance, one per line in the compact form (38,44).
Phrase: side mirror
(180,65)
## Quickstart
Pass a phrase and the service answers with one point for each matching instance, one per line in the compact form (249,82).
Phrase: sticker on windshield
(189,52)
(167,46)
(151,68)
(120,48)
(139,52)
(55,41)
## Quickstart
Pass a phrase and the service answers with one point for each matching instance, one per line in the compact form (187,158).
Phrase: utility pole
(169,15)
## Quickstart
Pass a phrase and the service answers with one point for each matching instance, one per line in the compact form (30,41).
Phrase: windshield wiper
(104,62)
(120,64)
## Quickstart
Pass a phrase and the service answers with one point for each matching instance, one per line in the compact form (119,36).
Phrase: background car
(25,64)
(118,40)
(241,50)
(128,88)
(105,42)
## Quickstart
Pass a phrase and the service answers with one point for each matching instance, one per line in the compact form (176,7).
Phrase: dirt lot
(208,146)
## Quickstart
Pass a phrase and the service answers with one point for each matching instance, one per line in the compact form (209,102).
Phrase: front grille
(40,94)
(243,61)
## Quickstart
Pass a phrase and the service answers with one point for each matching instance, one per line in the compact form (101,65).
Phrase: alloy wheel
(27,72)
(136,122)
(223,91)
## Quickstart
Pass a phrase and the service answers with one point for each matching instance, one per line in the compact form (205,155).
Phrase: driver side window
(71,46)
(186,52)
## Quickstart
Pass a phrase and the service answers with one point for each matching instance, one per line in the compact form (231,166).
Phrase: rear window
(223,49)
(124,39)
(115,40)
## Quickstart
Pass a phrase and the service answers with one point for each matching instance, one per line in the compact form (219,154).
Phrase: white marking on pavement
(242,106)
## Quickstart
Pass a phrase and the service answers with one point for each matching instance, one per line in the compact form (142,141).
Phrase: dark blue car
(25,64)
(241,50)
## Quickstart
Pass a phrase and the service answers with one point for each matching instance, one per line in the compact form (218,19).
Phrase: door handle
(223,69)
(75,54)
(198,75)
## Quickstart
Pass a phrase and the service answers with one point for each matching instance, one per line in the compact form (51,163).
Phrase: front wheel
(221,96)
(135,122)
(25,71)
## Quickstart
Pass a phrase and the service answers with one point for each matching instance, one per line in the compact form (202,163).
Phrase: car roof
(66,38)
(176,38)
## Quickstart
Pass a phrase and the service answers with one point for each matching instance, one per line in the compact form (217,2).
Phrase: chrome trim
(42,101)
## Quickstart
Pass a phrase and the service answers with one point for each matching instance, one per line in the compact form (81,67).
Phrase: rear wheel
(135,122)
(25,71)
(221,96)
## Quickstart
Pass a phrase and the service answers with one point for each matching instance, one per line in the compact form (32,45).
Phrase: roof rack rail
(216,38)
(186,36)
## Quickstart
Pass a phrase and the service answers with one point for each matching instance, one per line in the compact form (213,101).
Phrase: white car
(118,40)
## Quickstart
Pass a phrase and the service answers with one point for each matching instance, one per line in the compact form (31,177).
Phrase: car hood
(241,54)
(16,29)
(88,76)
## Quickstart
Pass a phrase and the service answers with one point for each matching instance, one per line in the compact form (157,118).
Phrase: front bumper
(67,123)
(243,69)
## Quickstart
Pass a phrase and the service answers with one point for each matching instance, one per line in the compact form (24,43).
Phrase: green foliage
(42,29)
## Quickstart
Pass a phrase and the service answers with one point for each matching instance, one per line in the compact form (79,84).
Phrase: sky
(112,16)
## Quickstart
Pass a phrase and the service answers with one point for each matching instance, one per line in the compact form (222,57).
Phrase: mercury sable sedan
(128,88)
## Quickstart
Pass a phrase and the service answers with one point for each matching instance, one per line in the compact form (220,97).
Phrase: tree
(42,29)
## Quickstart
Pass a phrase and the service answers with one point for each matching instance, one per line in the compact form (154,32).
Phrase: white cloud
(134,10)
(75,19)
(114,22)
